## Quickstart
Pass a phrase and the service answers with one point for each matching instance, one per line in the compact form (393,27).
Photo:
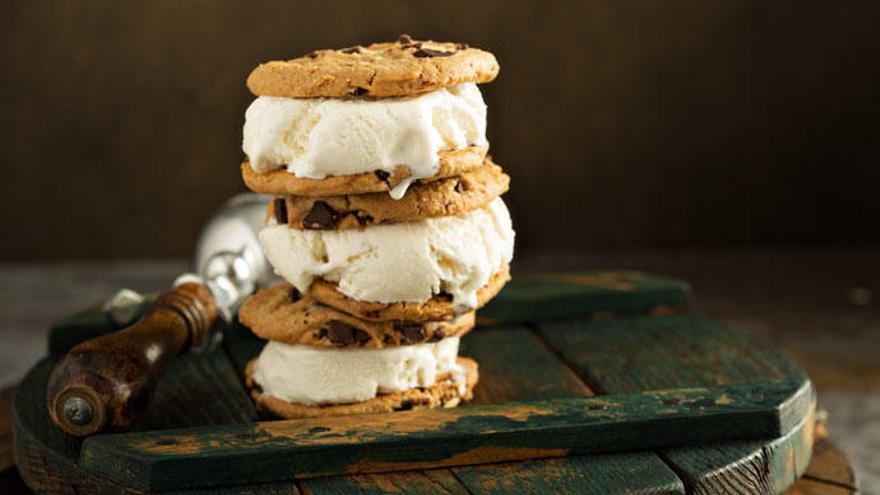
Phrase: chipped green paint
(274,451)
(639,472)
(684,351)
(553,296)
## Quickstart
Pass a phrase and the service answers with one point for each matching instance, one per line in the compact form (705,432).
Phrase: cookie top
(451,196)
(439,307)
(280,182)
(444,393)
(399,68)
(279,312)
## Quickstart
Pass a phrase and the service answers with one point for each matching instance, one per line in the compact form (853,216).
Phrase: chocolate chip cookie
(444,393)
(279,312)
(452,196)
(399,68)
(280,182)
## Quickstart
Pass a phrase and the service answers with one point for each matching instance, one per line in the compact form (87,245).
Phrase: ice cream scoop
(106,383)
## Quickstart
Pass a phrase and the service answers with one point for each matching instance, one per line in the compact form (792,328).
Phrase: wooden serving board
(628,393)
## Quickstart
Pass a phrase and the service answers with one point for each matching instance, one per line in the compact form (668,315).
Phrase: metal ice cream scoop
(106,383)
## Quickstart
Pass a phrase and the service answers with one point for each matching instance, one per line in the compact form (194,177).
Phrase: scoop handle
(105,384)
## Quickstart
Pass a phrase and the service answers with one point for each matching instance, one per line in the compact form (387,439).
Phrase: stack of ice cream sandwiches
(386,226)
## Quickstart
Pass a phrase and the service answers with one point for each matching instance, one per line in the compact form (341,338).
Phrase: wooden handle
(106,383)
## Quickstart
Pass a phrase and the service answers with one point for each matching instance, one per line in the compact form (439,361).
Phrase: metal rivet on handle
(78,411)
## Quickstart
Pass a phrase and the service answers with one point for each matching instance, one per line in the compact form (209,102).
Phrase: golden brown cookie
(399,68)
(280,182)
(452,196)
(439,307)
(444,393)
(279,312)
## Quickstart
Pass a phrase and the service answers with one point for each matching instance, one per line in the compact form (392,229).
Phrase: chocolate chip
(363,219)
(405,406)
(294,295)
(382,175)
(427,52)
(320,217)
(359,91)
(312,54)
(459,187)
(410,332)
(352,49)
(404,39)
(462,46)
(318,429)
(437,336)
(280,206)
(341,333)
(445,296)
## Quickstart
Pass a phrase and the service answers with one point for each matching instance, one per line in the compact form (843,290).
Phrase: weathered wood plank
(436,438)
(426,482)
(516,366)
(636,473)
(553,296)
(48,459)
(198,390)
(680,351)
(746,467)
(633,354)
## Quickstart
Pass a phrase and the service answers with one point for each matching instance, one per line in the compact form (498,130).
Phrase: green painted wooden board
(561,296)
(592,390)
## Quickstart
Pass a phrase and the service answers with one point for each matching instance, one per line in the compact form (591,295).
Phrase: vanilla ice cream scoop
(319,137)
(314,375)
(409,261)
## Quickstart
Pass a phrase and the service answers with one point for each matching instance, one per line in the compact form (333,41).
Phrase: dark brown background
(731,123)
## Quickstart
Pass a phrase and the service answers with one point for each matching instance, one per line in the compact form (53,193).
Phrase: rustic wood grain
(553,296)
(516,366)
(428,482)
(198,390)
(164,460)
(656,353)
(640,473)
(747,467)
(630,354)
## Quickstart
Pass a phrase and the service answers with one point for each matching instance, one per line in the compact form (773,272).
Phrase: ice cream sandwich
(387,226)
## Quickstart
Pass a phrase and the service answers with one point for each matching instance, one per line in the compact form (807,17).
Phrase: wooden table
(829,471)
(779,293)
